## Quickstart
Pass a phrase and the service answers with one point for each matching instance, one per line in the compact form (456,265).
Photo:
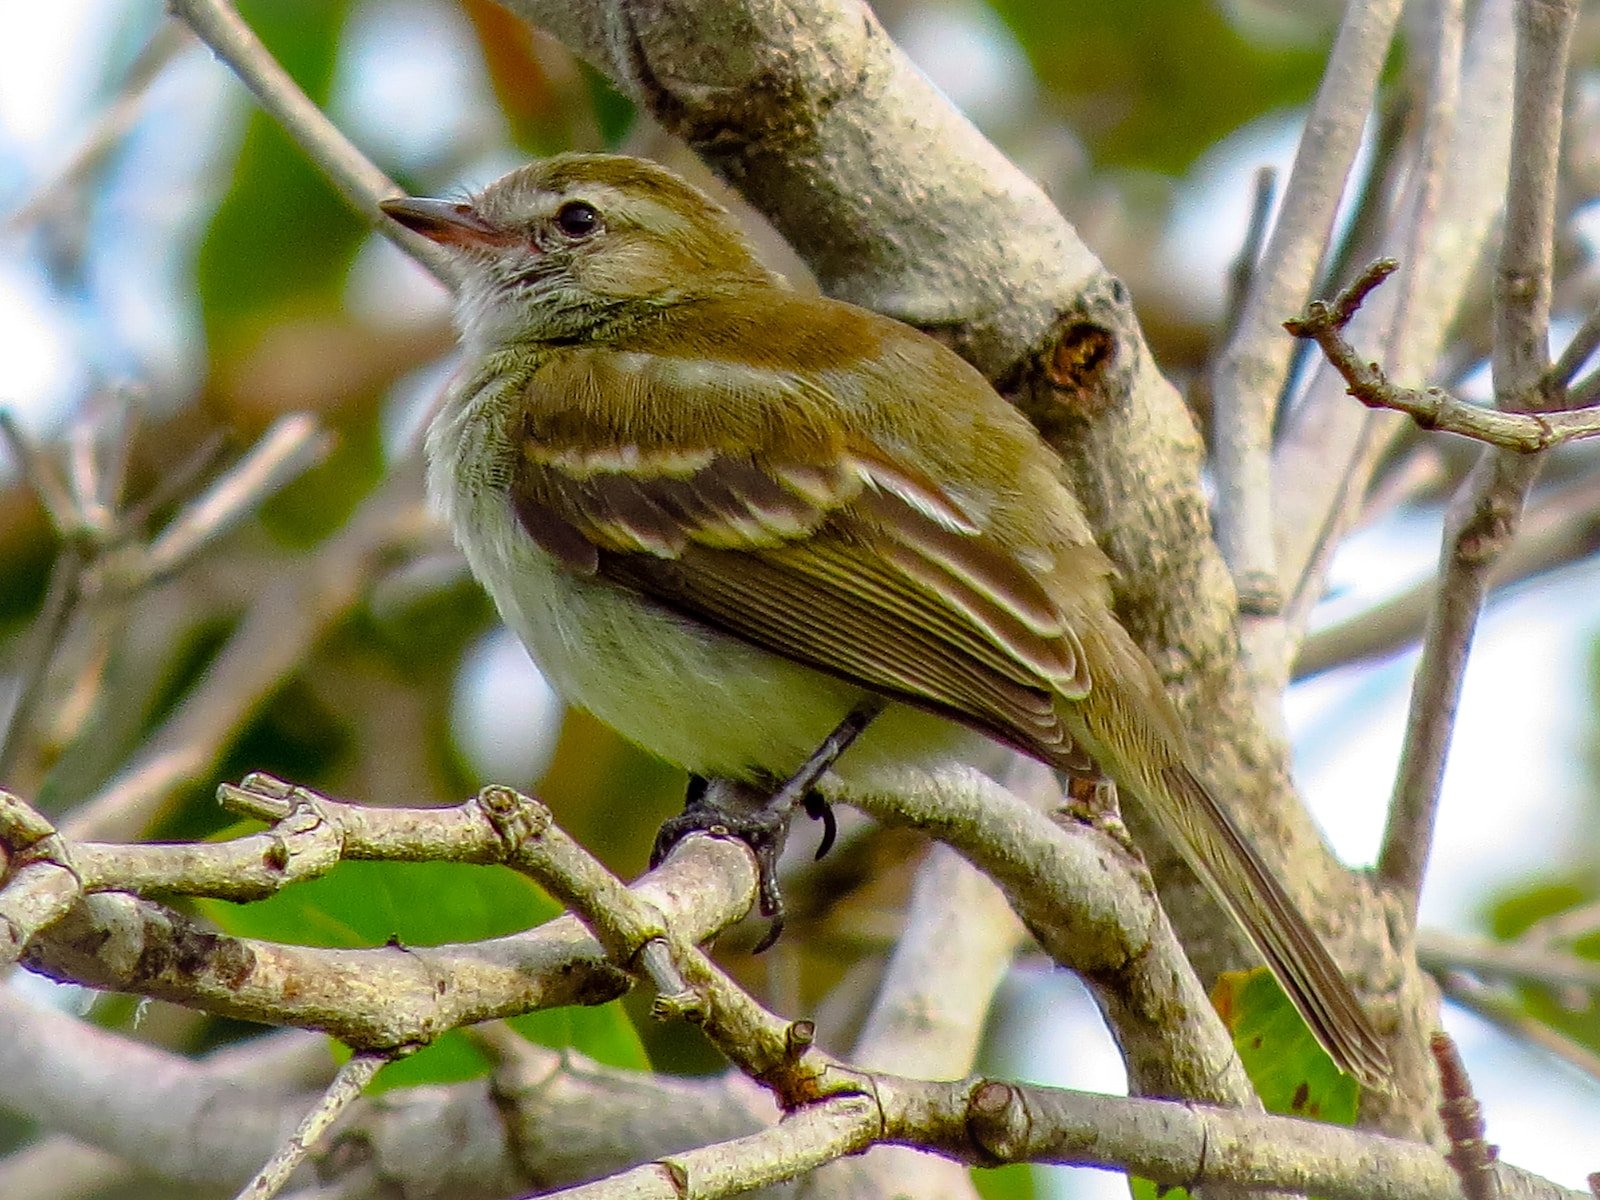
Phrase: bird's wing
(828,553)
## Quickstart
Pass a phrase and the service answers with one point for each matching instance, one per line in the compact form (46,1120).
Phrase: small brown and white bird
(721,515)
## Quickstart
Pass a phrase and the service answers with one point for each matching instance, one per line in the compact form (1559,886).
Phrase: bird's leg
(764,828)
(800,790)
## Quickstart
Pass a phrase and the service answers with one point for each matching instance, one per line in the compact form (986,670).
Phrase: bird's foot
(1092,800)
(727,809)
(764,827)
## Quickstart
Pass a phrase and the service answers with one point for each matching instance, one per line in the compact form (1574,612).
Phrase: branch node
(21,825)
(515,818)
(998,1122)
(674,997)
(259,795)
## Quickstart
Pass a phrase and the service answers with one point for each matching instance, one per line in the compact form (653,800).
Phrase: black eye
(577,219)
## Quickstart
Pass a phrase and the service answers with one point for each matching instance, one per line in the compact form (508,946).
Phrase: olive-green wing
(829,554)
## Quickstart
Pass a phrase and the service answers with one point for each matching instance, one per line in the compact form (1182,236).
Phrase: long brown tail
(1229,866)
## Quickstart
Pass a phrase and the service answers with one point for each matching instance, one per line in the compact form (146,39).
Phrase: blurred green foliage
(1510,915)
(281,242)
(1154,85)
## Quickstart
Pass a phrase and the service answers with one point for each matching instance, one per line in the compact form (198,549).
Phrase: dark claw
(819,809)
(764,830)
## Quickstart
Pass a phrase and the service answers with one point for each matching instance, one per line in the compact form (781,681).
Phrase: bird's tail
(1231,869)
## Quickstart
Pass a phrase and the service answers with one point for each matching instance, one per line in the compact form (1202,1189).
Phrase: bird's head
(560,248)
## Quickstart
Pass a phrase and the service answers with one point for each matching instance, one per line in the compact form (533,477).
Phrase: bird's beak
(445,221)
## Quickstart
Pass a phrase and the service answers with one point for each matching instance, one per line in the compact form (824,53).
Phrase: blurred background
(175,279)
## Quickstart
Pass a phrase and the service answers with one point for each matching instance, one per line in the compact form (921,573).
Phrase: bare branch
(1439,951)
(1484,517)
(109,128)
(1091,917)
(345,1089)
(42,476)
(291,446)
(1509,1014)
(1585,341)
(388,997)
(1329,447)
(1559,528)
(1251,371)
(44,641)
(1172,1145)
(929,1015)
(1470,1155)
(1431,408)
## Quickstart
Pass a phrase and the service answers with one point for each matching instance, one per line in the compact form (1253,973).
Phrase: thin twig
(1504,1011)
(87,477)
(219,25)
(41,475)
(1484,517)
(1439,951)
(1404,340)
(1559,528)
(345,1089)
(1432,408)
(177,481)
(1329,448)
(44,639)
(1584,343)
(292,445)
(1243,271)
(1471,1156)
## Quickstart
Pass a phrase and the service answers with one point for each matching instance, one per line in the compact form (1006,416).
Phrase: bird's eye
(577,219)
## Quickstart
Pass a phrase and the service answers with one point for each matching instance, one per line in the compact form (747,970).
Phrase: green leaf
(1290,1071)
(371,903)
(1015,1181)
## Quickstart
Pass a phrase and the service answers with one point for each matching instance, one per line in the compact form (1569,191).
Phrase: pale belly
(696,697)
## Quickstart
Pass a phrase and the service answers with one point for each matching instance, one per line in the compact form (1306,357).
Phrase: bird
(731,519)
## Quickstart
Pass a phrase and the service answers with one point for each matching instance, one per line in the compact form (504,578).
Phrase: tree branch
(1431,408)
(1251,371)
(1484,517)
